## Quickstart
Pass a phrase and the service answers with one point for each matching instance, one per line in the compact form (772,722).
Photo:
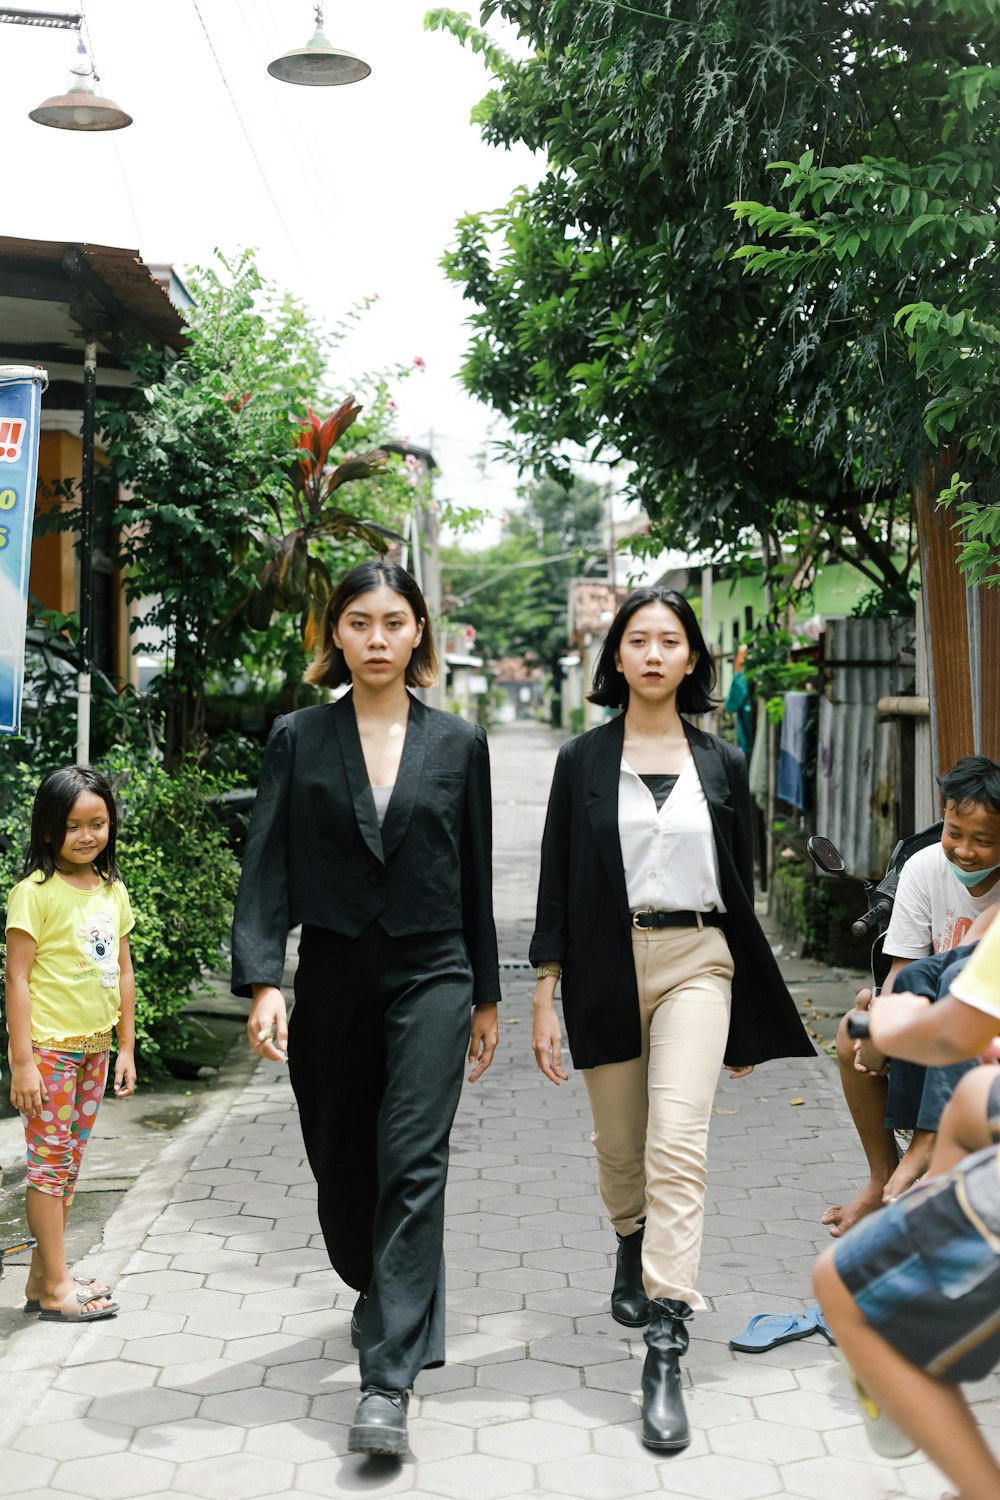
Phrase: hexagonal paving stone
(254,1408)
(188,1440)
(528,1377)
(129,1476)
(298,1442)
(476,1474)
(65,1440)
(807,1409)
(586,1408)
(767,1442)
(597,1477)
(564,1351)
(820,1478)
(210,1377)
(21,1472)
(173,1349)
(105,1379)
(478,1409)
(144,1408)
(353,1475)
(534,1440)
(238,1476)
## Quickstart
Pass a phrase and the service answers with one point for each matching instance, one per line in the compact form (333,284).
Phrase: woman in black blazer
(645,909)
(372,829)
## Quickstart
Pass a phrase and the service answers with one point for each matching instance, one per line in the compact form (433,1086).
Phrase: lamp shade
(319,64)
(81,110)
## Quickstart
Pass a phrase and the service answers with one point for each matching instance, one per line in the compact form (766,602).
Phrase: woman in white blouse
(645,910)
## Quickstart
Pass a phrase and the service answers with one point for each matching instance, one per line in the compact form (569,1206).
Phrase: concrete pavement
(230,1372)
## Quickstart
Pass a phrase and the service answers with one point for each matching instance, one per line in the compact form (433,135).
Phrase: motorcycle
(880,896)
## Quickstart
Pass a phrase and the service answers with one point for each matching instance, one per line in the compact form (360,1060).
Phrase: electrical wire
(246,134)
(300,147)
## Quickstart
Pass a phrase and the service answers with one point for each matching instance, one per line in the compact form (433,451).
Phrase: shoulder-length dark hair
(50,813)
(694,696)
(328,667)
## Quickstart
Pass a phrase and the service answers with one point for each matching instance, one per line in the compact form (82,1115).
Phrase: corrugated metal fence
(864,774)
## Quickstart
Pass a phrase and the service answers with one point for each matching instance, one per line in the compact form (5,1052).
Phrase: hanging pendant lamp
(81,108)
(319,63)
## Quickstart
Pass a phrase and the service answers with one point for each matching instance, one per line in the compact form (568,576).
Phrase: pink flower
(419,363)
(392,405)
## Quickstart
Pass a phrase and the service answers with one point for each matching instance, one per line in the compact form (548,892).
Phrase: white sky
(367,180)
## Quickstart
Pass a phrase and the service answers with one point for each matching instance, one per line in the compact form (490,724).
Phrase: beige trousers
(651,1114)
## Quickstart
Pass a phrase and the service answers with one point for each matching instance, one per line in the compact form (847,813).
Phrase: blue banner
(21,389)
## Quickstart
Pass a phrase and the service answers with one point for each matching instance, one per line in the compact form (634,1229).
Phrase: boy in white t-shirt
(941,892)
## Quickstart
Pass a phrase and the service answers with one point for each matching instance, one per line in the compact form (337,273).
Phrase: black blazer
(583,918)
(316,854)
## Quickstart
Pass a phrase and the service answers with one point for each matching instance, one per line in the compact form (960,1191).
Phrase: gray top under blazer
(315,853)
(583,919)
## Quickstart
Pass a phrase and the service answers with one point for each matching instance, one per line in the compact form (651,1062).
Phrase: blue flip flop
(768,1330)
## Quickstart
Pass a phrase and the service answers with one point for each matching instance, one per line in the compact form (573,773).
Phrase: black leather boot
(664,1420)
(380,1423)
(629,1303)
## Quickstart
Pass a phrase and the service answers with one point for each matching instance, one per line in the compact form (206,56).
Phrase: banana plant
(293,578)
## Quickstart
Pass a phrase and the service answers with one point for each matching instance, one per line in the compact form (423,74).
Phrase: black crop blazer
(315,853)
(583,919)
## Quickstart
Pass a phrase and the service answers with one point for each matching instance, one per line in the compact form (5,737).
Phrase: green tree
(206,446)
(608,312)
(516,593)
(904,237)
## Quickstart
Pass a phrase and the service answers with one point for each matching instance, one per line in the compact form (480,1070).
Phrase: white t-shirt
(670,859)
(933,911)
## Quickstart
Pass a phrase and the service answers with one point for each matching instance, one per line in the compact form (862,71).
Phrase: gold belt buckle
(644,911)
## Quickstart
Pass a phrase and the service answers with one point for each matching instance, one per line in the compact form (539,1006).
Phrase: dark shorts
(925,1271)
(917,1095)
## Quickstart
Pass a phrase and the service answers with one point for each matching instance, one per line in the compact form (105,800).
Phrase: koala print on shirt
(100,945)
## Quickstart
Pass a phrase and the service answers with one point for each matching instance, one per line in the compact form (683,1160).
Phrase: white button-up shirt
(670,859)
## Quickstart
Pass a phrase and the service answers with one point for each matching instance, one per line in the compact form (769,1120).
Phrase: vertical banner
(21,389)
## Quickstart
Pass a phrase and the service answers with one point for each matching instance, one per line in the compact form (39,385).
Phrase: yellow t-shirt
(978,983)
(74,978)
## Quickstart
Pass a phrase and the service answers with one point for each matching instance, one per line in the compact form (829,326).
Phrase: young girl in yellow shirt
(69,982)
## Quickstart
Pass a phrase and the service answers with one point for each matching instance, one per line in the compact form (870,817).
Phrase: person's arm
(548,945)
(27,1091)
(934,1033)
(261,915)
(476,856)
(125,1074)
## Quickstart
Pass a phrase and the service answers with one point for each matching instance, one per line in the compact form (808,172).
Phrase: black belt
(645,919)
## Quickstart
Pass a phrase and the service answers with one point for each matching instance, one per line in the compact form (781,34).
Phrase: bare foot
(840,1217)
(912,1166)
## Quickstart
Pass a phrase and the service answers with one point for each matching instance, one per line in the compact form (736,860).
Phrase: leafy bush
(181,877)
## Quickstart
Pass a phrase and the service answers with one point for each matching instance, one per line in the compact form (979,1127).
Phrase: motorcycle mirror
(825,855)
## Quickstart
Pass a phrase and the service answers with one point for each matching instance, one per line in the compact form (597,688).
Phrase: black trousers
(377,1044)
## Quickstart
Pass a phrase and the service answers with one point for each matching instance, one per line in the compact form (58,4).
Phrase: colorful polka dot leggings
(56,1136)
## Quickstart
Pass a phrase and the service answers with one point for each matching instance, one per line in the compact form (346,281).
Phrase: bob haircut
(50,813)
(328,667)
(973,781)
(694,696)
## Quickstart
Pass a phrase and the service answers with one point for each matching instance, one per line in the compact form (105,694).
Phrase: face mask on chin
(969,878)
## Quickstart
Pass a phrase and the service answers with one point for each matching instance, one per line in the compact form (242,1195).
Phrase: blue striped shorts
(925,1271)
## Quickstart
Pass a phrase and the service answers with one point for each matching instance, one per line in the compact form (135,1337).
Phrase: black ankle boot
(664,1420)
(629,1304)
